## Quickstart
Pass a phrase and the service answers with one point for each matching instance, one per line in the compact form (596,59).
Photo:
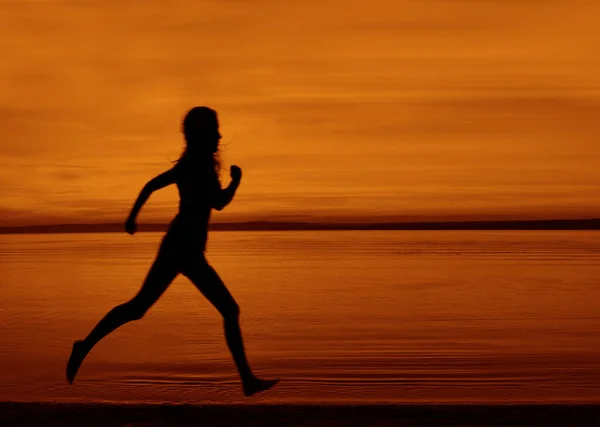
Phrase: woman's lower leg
(233,336)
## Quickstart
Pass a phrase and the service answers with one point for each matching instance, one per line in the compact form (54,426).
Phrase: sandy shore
(88,415)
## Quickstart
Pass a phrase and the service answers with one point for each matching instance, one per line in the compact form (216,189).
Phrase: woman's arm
(225,196)
(156,183)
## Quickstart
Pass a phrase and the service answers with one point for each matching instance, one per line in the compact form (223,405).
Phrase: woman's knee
(232,312)
(132,310)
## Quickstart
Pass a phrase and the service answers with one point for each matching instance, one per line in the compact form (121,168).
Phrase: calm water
(339,316)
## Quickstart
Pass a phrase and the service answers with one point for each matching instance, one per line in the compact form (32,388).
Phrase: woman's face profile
(213,138)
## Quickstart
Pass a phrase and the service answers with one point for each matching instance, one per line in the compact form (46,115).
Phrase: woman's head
(201,130)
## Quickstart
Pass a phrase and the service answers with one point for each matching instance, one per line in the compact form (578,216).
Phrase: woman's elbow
(218,206)
(147,190)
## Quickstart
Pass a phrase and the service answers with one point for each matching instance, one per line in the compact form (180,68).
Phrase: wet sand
(99,415)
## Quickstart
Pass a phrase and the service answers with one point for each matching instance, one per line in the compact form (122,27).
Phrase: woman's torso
(197,188)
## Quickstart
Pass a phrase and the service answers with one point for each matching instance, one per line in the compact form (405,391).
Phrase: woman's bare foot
(78,353)
(257,385)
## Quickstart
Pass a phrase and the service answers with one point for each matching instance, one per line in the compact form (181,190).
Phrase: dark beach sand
(84,415)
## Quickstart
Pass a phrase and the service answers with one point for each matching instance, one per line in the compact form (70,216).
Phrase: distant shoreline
(562,224)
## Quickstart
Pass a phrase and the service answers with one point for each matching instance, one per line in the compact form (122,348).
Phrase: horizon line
(265,225)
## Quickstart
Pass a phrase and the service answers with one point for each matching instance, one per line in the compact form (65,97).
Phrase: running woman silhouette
(182,248)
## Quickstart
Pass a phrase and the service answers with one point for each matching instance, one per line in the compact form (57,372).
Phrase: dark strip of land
(561,224)
(100,415)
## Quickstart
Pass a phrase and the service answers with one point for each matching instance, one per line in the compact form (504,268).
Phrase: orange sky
(339,109)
